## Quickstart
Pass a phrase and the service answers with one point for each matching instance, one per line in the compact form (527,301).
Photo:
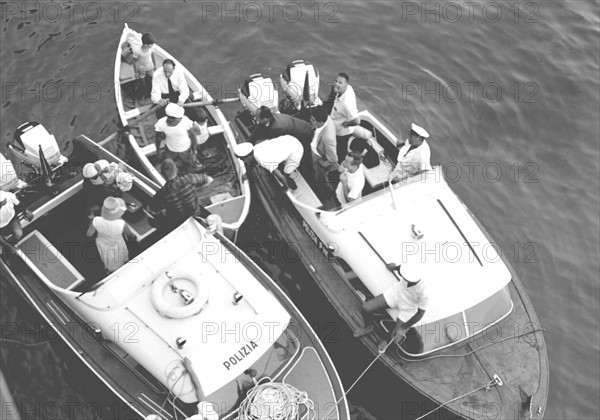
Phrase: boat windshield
(268,367)
(428,338)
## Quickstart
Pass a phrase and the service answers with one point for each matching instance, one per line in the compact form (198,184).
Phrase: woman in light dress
(111,228)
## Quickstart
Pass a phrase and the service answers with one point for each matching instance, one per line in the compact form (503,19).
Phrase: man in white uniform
(409,297)
(180,135)
(283,150)
(344,113)
(414,155)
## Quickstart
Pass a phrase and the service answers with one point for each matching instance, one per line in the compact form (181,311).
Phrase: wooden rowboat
(229,194)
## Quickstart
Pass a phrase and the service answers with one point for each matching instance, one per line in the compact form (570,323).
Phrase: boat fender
(181,310)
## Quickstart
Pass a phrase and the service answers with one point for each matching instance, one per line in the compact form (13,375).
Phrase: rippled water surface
(510,90)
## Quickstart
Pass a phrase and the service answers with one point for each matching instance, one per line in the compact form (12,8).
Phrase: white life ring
(175,307)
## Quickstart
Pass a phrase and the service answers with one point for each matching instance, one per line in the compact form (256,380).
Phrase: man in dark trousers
(275,125)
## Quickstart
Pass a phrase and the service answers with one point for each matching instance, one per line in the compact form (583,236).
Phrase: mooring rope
(493,382)
(381,352)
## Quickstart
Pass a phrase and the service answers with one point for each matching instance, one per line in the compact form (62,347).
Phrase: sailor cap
(411,272)
(174,111)
(419,131)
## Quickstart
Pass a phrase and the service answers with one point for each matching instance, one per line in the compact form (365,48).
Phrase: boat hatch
(427,338)
(48,263)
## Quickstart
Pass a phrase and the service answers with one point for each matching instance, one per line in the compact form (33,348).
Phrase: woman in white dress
(111,228)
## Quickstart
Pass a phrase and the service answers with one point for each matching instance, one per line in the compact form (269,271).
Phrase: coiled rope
(275,401)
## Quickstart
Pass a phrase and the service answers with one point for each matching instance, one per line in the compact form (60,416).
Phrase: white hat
(174,110)
(411,272)
(243,149)
(420,131)
(102,165)
(124,181)
(89,170)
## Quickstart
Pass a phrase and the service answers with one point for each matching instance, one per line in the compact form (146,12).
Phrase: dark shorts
(9,229)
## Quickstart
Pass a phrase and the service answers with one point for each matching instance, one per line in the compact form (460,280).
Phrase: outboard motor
(29,139)
(9,180)
(258,91)
(300,82)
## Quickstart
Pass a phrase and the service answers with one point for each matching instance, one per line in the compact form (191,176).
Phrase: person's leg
(370,306)
(342,147)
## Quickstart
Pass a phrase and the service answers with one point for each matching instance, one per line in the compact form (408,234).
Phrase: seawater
(508,90)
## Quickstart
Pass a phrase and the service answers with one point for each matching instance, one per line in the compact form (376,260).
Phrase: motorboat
(479,350)
(188,325)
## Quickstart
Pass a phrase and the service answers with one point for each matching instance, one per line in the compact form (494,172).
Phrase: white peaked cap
(419,130)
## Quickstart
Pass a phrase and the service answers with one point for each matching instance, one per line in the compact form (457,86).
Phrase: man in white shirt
(344,112)
(169,85)
(352,178)
(179,134)
(414,155)
(283,150)
(409,297)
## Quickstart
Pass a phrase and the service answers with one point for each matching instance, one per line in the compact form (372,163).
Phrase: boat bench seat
(47,262)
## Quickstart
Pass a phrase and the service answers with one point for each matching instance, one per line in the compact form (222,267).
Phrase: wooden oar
(145,115)
(214,102)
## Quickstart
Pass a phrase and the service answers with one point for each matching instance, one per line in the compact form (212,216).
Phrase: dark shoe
(362,331)
(291,183)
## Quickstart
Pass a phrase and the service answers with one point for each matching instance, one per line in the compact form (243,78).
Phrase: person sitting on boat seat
(344,112)
(352,178)
(95,189)
(272,125)
(115,177)
(111,228)
(169,85)
(180,135)
(414,156)
(178,199)
(280,156)
(409,297)
(324,151)
(9,219)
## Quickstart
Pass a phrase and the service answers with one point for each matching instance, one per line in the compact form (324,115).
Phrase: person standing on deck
(324,151)
(178,198)
(344,112)
(180,136)
(409,297)
(414,155)
(111,228)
